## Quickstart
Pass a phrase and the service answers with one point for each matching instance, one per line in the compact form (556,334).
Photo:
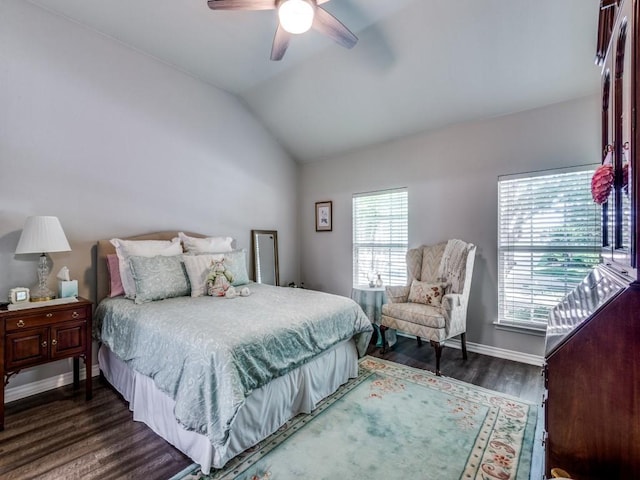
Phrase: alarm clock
(19,295)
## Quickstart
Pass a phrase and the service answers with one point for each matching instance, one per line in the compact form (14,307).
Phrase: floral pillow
(427,293)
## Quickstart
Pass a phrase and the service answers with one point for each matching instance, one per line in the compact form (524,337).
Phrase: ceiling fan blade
(333,28)
(280,43)
(242,4)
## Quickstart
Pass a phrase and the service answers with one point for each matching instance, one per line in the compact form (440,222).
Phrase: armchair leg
(438,348)
(419,341)
(463,343)
(385,344)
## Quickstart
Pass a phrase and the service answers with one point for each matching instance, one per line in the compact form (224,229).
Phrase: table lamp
(42,234)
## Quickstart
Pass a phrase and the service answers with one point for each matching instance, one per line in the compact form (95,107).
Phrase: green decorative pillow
(141,248)
(236,263)
(159,277)
(427,293)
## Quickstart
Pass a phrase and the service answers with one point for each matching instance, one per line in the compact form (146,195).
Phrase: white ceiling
(419,64)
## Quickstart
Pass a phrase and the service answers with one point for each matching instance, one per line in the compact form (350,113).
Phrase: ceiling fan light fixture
(296,16)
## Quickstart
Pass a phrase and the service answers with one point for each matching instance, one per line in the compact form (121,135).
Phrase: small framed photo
(19,295)
(323,216)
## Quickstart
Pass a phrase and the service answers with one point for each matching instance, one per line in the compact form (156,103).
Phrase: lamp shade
(42,235)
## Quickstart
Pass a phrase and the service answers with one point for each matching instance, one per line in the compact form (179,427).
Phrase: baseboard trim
(16,393)
(527,358)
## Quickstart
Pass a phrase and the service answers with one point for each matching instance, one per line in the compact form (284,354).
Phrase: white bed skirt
(265,410)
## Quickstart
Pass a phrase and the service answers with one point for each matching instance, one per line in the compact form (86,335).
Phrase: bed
(214,376)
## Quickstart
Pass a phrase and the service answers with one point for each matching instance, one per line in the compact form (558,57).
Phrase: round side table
(371,300)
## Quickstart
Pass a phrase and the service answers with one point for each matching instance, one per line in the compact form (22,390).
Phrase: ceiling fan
(296,16)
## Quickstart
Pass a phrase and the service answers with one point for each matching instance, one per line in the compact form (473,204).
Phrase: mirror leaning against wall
(264,248)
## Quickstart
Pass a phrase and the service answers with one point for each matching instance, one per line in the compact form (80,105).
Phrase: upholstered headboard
(105,248)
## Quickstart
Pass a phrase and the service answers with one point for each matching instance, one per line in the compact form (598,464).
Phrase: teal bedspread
(209,353)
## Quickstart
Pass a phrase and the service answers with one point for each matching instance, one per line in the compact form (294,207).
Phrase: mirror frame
(254,233)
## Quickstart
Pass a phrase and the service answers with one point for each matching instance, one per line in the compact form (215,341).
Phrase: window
(380,236)
(549,237)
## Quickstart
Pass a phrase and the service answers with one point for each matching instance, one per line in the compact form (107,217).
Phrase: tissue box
(67,288)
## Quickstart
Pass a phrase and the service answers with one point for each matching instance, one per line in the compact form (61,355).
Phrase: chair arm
(397,294)
(451,301)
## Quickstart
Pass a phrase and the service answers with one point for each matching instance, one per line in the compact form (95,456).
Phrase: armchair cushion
(397,294)
(426,293)
(415,313)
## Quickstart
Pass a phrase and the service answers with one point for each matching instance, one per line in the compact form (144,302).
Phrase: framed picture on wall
(323,216)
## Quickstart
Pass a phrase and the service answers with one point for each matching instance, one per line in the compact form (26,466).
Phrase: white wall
(451,175)
(116,143)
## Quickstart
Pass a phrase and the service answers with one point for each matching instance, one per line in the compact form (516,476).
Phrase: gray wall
(115,143)
(451,175)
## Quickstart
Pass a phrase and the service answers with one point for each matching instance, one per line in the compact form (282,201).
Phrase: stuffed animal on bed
(219,279)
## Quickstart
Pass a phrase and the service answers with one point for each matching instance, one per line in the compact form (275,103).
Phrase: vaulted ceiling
(419,64)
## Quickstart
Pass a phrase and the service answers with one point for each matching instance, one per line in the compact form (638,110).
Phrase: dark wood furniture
(39,335)
(619,92)
(592,405)
(592,373)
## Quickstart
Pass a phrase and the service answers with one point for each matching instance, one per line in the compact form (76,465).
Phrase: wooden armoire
(592,360)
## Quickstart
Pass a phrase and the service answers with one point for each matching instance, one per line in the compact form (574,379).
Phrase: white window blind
(380,236)
(549,237)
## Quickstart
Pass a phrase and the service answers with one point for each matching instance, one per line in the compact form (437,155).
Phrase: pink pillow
(116,289)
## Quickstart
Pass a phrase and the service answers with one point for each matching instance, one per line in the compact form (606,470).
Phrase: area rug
(395,422)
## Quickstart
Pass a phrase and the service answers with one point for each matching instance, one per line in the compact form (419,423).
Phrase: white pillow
(205,245)
(141,248)
(198,267)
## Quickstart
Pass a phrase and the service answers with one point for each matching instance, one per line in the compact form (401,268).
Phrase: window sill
(538,331)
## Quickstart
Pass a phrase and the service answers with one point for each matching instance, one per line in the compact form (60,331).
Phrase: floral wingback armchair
(433,305)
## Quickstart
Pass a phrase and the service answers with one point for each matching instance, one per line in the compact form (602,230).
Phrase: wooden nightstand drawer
(27,321)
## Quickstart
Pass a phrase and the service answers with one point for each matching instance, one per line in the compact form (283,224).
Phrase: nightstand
(39,335)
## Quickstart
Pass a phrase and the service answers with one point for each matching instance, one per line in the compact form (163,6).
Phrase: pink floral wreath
(602,181)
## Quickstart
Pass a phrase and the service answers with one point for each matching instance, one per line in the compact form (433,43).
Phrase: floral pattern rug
(395,422)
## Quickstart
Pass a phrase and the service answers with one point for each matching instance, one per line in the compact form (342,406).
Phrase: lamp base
(42,292)
(39,294)
(41,299)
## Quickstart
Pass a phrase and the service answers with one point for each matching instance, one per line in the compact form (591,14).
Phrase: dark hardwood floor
(57,435)
(505,376)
